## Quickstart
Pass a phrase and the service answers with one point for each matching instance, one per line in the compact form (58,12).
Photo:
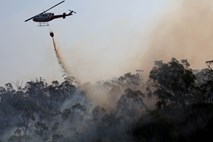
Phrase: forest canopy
(174,104)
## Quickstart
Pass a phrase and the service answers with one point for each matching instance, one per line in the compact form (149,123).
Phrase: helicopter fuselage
(44,17)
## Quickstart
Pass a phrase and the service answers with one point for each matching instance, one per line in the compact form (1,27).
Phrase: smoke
(185,33)
(66,73)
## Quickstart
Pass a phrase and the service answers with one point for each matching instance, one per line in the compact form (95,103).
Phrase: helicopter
(43,18)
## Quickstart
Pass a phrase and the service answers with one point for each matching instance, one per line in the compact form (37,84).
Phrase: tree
(205,84)
(98,112)
(173,82)
(131,103)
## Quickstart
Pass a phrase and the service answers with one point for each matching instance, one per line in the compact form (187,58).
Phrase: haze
(104,39)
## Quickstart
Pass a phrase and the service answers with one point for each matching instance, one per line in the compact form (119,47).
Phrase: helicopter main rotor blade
(30,18)
(54,6)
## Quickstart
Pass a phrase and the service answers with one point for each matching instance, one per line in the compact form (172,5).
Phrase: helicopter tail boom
(64,15)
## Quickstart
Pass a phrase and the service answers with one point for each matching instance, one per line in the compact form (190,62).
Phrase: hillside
(174,104)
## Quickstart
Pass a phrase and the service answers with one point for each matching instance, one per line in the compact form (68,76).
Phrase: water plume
(66,73)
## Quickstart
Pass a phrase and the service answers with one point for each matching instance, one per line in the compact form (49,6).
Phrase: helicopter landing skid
(43,24)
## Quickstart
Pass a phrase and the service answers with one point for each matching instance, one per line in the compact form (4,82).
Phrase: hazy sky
(96,43)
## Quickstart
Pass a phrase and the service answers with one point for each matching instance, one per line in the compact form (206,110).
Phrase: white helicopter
(43,18)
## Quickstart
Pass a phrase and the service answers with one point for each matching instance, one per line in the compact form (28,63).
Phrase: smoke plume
(185,33)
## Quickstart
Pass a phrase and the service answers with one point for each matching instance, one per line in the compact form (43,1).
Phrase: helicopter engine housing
(64,15)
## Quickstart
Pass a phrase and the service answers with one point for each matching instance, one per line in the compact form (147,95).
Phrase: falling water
(66,73)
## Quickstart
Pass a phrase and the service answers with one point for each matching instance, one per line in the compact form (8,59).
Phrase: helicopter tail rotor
(71,12)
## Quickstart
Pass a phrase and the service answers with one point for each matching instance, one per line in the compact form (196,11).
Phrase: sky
(97,43)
